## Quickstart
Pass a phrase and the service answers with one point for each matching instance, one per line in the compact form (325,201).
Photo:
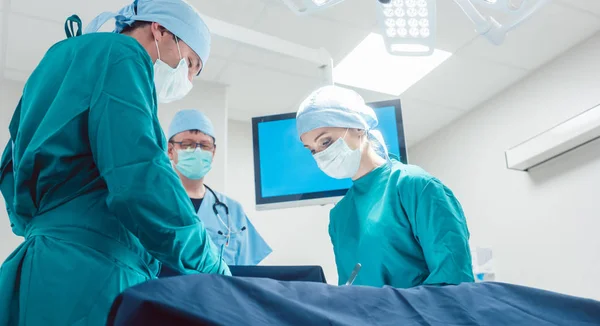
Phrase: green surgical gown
(88,185)
(404,227)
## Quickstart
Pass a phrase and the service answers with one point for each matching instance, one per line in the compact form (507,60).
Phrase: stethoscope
(227,225)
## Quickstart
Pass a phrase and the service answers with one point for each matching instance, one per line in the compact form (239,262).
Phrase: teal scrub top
(246,246)
(89,186)
(404,227)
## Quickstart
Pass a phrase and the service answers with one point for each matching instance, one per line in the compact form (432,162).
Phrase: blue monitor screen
(286,171)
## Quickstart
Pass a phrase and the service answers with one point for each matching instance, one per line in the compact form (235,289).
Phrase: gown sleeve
(128,147)
(342,274)
(7,186)
(440,226)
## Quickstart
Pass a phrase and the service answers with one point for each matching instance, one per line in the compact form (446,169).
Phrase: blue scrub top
(245,247)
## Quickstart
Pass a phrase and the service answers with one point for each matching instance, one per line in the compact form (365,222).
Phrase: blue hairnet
(190,119)
(334,106)
(177,16)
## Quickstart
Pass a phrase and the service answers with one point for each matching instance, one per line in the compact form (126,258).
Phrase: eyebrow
(320,135)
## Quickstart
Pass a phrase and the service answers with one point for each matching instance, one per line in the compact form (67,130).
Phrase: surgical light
(408,26)
(301,7)
(517,11)
(504,5)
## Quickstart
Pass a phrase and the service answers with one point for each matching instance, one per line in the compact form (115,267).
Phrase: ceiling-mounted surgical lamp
(503,5)
(517,11)
(408,26)
(301,7)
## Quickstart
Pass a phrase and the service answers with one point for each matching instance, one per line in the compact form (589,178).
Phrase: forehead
(185,49)
(193,135)
(310,137)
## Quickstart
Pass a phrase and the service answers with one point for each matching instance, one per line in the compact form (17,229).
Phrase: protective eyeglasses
(191,146)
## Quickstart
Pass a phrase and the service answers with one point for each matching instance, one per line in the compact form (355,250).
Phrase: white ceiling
(262,82)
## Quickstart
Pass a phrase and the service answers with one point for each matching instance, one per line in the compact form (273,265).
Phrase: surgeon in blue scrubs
(192,147)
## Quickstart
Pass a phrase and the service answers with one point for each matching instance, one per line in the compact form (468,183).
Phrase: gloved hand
(224,269)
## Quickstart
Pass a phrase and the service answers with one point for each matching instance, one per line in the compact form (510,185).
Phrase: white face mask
(171,84)
(338,160)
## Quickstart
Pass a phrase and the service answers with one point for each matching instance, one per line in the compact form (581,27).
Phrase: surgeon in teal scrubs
(85,176)
(404,226)
(192,148)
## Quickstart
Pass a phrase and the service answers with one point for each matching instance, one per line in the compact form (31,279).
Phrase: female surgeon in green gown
(85,176)
(401,224)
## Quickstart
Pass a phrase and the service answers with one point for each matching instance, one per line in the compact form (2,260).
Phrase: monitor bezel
(320,197)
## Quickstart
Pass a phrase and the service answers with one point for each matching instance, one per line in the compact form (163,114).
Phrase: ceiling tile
(546,35)
(263,91)
(27,46)
(422,119)
(244,10)
(311,31)
(356,13)
(454,29)
(464,83)
(239,12)
(59,10)
(261,58)
(592,6)
(371,96)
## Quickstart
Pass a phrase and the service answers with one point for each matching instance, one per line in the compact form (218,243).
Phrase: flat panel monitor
(285,173)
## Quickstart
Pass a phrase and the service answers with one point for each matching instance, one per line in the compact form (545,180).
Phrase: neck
(145,38)
(368,162)
(194,188)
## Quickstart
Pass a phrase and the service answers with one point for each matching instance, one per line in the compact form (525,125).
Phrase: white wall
(298,236)
(207,97)
(10,93)
(543,225)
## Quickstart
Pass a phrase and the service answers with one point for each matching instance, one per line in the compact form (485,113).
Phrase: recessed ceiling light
(370,66)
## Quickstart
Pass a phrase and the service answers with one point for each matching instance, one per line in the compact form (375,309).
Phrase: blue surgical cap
(177,16)
(190,119)
(334,106)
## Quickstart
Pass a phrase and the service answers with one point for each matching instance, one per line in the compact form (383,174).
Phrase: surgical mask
(171,84)
(194,165)
(338,160)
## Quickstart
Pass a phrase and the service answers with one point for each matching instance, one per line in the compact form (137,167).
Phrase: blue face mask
(194,165)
